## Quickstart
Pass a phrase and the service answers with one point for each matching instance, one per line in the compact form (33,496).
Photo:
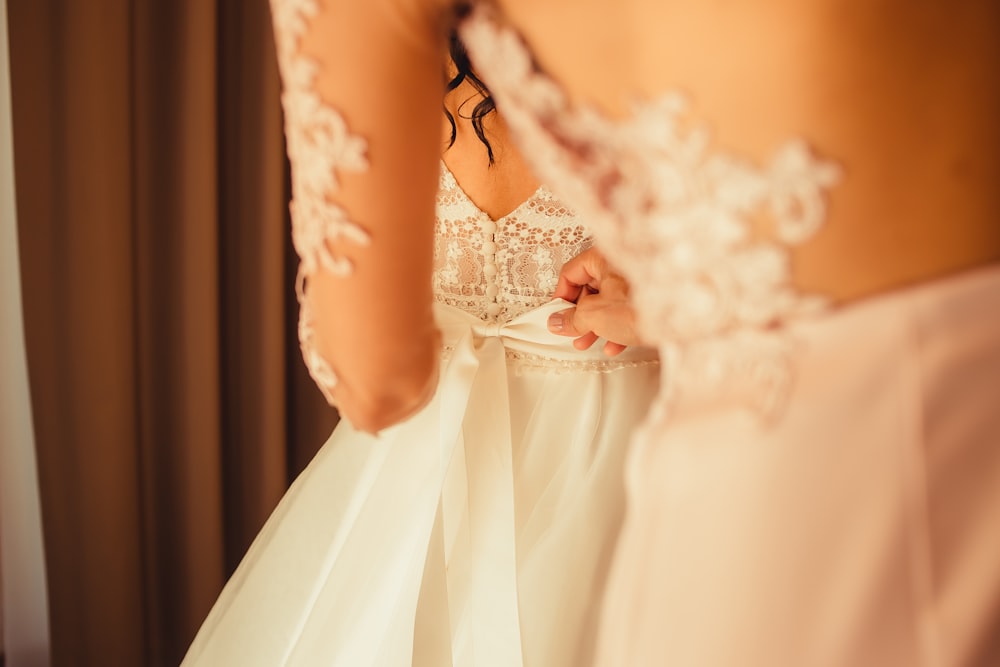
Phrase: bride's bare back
(904,96)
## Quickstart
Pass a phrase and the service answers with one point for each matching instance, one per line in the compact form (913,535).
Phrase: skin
(903,95)
(495,190)
(602,303)
(385,372)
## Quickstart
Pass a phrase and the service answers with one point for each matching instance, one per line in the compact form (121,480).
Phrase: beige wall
(23,613)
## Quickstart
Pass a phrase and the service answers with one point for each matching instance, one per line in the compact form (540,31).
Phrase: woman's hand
(602,306)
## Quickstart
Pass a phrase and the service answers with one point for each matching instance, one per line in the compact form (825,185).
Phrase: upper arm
(362,98)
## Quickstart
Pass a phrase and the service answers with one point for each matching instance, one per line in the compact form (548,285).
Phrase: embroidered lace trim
(675,213)
(499,270)
(525,361)
(319,144)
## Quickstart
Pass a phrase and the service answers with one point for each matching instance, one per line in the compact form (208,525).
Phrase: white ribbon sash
(477,501)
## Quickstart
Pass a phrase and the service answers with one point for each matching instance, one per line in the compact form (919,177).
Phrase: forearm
(362,95)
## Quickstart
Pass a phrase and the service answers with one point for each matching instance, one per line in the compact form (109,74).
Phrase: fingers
(606,314)
(585,341)
(612,349)
(567,323)
(564,324)
(585,270)
(602,305)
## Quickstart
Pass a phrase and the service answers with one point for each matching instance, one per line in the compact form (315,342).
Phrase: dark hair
(485,107)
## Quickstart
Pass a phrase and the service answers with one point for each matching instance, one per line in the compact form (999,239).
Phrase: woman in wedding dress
(478,531)
(803,198)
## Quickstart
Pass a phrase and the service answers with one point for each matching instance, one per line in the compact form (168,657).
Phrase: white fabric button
(493,309)
(492,291)
(489,248)
(490,270)
(489,227)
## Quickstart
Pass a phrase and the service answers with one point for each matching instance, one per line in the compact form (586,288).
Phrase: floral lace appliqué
(702,235)
(319,144)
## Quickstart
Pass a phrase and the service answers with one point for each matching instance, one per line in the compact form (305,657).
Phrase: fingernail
(557,321)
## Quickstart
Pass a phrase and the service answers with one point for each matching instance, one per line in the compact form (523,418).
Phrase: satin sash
(477,501)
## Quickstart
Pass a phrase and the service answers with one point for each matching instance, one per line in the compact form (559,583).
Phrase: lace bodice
(497,270)
(677,215)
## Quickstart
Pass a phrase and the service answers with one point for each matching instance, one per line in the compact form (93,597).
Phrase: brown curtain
(169,401)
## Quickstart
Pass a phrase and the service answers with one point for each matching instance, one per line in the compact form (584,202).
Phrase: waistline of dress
(528,342)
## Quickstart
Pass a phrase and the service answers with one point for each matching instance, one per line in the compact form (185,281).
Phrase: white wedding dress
(478,532)
(817,483)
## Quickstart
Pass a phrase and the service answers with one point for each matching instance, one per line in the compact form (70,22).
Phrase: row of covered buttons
(490,267)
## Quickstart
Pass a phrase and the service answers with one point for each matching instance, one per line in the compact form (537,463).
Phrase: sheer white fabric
(319,145)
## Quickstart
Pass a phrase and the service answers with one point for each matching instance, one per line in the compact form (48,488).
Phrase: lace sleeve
(361,96)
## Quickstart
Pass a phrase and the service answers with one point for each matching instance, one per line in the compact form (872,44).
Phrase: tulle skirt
(478,532)
(861,528)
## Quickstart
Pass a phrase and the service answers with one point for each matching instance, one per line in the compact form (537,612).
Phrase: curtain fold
(24,626)
(168,398)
